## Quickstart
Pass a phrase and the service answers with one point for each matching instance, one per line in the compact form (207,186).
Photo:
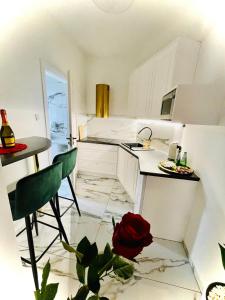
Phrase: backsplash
(126,129)
(113,128)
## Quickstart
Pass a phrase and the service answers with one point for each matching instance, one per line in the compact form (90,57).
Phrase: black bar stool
(32,192)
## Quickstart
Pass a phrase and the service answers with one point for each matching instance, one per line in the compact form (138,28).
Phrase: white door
(56,91)
(57,110)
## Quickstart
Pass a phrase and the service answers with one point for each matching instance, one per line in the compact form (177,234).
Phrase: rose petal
(127,252)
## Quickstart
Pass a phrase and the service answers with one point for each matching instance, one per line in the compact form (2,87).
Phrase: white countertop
(148,159)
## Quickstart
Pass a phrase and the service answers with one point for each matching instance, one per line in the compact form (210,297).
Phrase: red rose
(131,235)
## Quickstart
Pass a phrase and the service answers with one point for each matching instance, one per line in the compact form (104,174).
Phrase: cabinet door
(127,169)
(97,158)
(131,176)
(140,90)
(160,85)
(121,163)
(185,61)
(148,80)
(132,93)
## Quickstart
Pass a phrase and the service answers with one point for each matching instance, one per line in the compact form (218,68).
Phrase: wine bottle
(6,133)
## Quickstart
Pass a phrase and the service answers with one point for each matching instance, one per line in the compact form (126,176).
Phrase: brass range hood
(102,100)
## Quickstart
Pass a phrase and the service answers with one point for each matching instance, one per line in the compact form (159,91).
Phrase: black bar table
(35,145)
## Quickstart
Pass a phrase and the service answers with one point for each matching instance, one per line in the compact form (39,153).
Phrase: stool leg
(61,228)
(35,223)
(74,196)
(31,250)
(58,209)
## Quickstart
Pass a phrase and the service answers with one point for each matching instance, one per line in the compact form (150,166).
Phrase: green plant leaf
(89,251)
(108,252)
(72,250)
(51,291)
(102,262)
(222,249)
(45,275)
(122,269)
(91,254)
(80,272)
(104,298)
(93,279)
(81,293)
(47,292)
(83,245)
(37,295)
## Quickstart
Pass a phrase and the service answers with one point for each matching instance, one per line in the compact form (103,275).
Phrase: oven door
(167,106)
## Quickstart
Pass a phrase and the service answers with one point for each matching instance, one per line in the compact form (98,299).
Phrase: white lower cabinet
(97,158)
(109,160)
(167,205)
(127,171)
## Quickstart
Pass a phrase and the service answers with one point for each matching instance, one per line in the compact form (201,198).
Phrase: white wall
(114,71)
(33,38)
(16,282)
(206,147)
(23,42)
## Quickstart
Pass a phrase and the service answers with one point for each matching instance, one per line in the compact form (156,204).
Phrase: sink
(136,147)
(133,145)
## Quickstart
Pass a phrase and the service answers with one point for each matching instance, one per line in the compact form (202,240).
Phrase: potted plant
(216,290)
(130,236)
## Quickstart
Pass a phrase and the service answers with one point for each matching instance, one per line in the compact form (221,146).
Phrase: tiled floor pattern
(163,271)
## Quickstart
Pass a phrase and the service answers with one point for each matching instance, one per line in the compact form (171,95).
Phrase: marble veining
(162,270)
(127,129)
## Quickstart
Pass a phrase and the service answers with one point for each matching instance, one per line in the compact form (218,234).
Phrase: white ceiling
(148,24)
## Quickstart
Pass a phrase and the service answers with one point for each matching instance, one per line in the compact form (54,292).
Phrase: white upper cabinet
(173,65)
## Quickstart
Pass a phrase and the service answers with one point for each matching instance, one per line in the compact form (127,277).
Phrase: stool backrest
(34,191)
(68,160)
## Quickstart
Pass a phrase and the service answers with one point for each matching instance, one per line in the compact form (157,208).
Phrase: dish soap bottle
(183,161)
(178,158)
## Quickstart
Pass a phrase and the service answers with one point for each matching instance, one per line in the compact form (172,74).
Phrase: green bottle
(183,161)
(178,158)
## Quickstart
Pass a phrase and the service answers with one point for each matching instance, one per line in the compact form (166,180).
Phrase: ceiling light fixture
(113,6)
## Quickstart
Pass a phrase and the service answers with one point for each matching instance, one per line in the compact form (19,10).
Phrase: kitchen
(22,97)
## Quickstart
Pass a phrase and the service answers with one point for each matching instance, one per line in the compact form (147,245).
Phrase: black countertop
(148,160)
(35,145)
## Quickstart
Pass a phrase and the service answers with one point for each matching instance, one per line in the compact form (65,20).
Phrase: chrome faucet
(143,129)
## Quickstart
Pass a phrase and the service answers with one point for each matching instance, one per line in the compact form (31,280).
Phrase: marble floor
(162,271)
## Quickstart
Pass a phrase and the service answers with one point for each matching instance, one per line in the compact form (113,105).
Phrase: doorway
(58,112)
(58,117)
